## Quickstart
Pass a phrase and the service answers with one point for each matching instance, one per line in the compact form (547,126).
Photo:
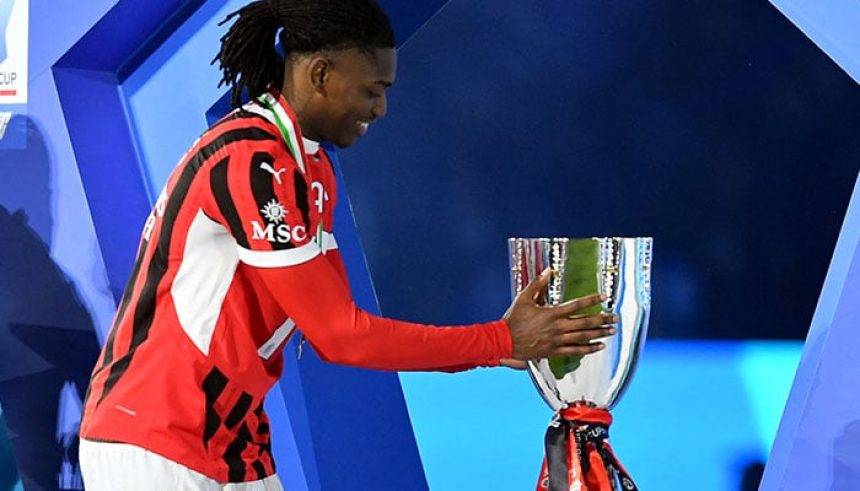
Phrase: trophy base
(578,454)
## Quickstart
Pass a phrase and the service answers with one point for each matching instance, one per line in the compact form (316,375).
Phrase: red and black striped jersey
(238,251)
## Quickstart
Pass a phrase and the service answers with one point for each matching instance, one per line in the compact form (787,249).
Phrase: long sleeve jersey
(237,254)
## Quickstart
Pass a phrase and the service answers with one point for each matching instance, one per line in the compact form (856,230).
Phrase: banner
(14,24)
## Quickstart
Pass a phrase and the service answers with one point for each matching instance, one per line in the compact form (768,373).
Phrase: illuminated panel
(818,443)
(830,24)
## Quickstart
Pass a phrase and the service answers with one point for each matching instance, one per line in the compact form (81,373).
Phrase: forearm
(377,342)
(314,295)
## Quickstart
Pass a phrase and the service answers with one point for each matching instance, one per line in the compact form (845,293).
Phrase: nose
(381,107)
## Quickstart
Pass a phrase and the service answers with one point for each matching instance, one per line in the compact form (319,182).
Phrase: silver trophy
(583,387)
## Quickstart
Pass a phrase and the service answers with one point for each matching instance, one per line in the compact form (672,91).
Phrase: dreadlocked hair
(249,60)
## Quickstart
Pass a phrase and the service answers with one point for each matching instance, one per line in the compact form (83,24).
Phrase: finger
(579,350)
(572,306)
(585,337)
(583,316)
(588,322)
(537,286)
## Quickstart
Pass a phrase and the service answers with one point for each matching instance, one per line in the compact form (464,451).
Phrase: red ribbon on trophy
(578,454)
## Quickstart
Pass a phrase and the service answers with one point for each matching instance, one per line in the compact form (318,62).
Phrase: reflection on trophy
(582,390)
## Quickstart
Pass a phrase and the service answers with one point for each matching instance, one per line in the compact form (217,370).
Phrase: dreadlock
(248,58)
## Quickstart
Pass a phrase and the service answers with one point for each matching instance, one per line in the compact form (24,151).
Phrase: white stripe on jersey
(268,348)
(208,264)
(278,259)
(287,257)
(253,107)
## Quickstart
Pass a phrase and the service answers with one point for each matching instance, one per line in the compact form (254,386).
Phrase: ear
(320,72)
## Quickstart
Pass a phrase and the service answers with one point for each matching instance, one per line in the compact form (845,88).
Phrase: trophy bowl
(617,267)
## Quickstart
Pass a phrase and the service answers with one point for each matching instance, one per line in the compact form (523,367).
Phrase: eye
(373,94)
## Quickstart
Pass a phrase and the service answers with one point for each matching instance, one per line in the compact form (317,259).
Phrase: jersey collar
(287,123)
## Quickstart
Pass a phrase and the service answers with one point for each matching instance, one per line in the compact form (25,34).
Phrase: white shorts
(123,467)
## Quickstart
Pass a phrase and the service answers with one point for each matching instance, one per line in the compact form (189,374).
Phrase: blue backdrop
(716,127)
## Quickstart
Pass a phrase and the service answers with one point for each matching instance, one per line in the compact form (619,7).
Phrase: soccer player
(238,253)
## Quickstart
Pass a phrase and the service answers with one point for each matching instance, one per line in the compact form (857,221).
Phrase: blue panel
(126,34)
(291,383)
(95,115)
(816,447)
(108,166)
(349,243)
(834,25)
(290,444)
(221,107)
(169,92)
(408,17)
(818,444)
(361,431)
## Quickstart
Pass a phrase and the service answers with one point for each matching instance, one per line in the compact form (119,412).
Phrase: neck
(299,100)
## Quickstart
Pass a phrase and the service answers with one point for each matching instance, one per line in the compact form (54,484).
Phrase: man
(238,252)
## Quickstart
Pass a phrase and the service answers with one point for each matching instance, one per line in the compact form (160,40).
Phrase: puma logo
(277,173)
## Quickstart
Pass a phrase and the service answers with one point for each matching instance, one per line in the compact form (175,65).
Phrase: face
(349,93)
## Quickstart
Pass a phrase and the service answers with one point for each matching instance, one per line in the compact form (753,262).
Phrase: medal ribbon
(578,454)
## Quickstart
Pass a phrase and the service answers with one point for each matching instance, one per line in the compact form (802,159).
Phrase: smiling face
(346,93)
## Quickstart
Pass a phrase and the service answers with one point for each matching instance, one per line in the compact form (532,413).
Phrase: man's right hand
(540,331)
